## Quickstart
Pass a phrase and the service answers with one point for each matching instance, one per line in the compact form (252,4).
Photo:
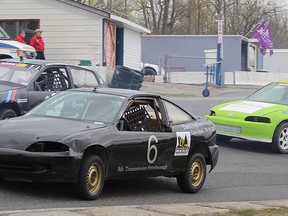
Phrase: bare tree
(161,15)
(200,16)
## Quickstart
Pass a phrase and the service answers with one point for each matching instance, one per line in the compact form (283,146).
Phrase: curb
(186,209)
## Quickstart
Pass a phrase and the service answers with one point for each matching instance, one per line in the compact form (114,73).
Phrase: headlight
(258,119)
(47,147)
(212,113)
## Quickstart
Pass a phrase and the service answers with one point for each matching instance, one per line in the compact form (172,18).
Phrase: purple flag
(269,39)
(264,36)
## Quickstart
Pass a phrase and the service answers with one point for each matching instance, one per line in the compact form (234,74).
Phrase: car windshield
(89,106)
(3,34)
(271,93)
(19,73)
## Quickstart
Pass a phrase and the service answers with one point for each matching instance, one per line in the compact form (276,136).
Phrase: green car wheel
(280,139)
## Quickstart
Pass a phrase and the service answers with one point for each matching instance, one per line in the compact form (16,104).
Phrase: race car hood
(23,131)
(4,86)
(244,108)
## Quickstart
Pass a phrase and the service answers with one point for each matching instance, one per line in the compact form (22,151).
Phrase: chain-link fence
(190,64)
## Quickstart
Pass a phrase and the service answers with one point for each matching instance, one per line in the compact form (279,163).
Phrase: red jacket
(20,39)
(37,43)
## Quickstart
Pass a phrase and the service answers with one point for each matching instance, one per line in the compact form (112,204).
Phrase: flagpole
(254,27)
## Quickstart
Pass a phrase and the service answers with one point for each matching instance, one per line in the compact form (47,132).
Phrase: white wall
(70,34)
(278,62)
(233,78)
(132,49)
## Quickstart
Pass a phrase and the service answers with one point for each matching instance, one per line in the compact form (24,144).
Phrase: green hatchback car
(262,116)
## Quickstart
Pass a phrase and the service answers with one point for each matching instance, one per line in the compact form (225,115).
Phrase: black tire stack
(126,78)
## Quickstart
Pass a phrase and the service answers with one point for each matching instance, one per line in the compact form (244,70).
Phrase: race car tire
(140,73)
(137,76)
(7,113)
(280,139)
(141,80)
(136,86)
(91,178)
(118,84)
(192,180)
(124,72)
(223,138)
(123,79)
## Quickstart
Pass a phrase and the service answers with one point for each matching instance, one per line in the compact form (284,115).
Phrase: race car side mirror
(121,125)
(36,87)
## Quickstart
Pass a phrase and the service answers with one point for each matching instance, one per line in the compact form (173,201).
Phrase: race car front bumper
(214,154)
(39,166)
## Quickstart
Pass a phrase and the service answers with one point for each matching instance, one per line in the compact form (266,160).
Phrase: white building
(74,31)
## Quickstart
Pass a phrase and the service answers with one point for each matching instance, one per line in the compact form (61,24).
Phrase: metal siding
(155,47)
(276,63)
(70,34)
(132,49)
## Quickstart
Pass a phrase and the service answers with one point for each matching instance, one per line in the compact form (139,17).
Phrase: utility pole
(219,45)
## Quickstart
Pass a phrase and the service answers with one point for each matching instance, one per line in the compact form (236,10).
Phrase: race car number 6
(150,148)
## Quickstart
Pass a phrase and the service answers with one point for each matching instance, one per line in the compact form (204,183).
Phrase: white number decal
(150,148)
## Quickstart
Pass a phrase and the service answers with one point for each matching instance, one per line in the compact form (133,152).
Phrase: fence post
(165,68)
(160,65)
(219,67)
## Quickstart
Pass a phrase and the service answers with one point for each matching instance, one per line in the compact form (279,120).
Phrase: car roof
(117,91)
(39,62)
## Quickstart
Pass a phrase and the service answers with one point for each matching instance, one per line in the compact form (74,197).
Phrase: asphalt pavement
(183,209)
(195,90)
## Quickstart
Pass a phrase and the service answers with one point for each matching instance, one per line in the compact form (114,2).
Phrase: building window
(13,27)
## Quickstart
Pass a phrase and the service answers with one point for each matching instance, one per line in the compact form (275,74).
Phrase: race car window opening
(17,74)
(84,106)
(175,114)
(83,78)
(52,79)
(141,115)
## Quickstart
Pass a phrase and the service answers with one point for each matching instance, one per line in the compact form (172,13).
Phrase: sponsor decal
(8,63)
(7,46)
(11,96)
(22,65)
(283,84)
(183,143)
(246,106)
(197,128)
(22,100)
(141,168)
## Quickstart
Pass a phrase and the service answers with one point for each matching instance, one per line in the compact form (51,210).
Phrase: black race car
(88,136)
(25,84)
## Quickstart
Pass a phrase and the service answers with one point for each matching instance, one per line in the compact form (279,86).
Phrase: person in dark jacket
(21,37)
(38,43)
